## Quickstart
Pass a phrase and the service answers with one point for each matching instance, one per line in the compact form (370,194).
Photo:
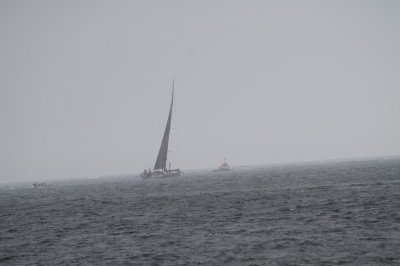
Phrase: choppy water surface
(318,214)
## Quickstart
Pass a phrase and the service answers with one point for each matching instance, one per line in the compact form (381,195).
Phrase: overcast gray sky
(85,85)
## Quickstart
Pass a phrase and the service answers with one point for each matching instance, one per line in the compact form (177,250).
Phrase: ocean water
(336,213)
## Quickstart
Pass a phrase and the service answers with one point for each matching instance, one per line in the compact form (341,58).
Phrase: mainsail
(161,162)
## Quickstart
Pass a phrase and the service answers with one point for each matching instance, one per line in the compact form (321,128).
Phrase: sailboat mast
(173,88)
(170,121)
(161,162)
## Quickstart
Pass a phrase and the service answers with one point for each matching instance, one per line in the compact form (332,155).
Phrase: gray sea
(330,213)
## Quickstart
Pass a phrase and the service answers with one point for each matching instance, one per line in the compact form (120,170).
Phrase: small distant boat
(160,168)
(223,167)
(41,184)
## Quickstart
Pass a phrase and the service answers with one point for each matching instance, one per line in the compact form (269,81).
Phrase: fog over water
(85,85)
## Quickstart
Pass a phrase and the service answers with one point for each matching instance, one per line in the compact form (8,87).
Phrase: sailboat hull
(161,174)
(169,174)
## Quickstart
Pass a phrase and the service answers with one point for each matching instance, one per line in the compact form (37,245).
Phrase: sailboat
(160,168)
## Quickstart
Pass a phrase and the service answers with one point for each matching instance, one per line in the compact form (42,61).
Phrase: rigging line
(176,132)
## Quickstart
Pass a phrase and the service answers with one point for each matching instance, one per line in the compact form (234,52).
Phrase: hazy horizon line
(283,163)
